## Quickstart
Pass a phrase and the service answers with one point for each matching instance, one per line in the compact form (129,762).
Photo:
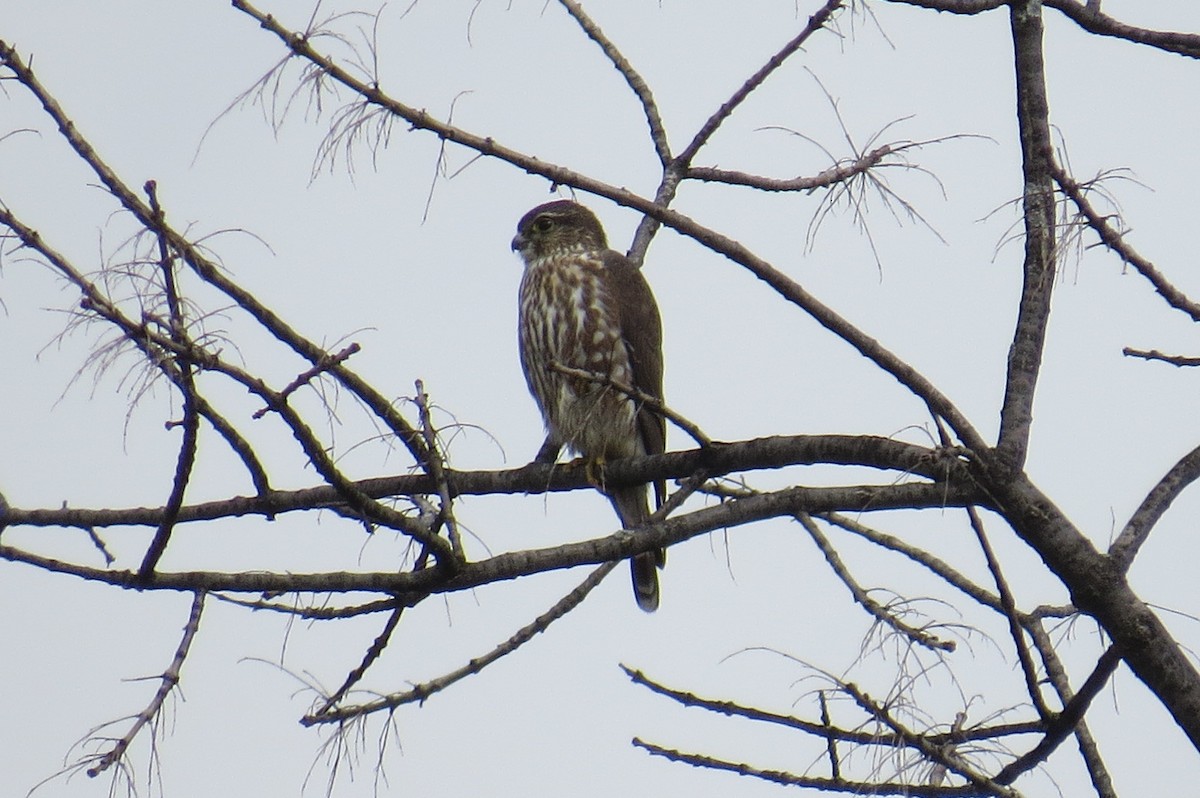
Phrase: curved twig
(658,132)
(419,693)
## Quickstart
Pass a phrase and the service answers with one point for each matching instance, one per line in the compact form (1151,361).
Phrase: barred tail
(644,568)
(631,504)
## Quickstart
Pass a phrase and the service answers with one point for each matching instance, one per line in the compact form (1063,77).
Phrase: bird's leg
(593,468)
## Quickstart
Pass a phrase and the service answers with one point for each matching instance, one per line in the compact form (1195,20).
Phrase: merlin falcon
(585,307)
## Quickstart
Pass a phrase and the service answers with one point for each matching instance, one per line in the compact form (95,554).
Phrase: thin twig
(436,469)
(863,599)
(658,132)
(921,743)
(1009,606)
(370,657)
(1114,240)
(306,376)
(187,386)
(1061,726)
(419,693)
(1090,752)
(167,683)
(655,404)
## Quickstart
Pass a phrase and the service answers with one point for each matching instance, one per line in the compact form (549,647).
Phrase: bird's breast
(567,318)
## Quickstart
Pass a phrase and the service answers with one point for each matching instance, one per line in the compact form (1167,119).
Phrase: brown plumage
(586,307)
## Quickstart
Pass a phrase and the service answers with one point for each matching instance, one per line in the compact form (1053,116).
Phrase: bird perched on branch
(587,308)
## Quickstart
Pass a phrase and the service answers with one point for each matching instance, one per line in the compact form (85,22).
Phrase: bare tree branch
(419,693)
(716,459)
(187,385)
(414,586)
(1087,15)
(920,636)
(658,132)
(1061,726)
(167,684)
(794,780)
(1025,353)
(1115,241)
(1137,529)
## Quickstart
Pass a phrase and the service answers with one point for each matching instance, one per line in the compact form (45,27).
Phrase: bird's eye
(542,224)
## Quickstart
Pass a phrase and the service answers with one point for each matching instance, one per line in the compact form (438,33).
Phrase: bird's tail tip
(644,569)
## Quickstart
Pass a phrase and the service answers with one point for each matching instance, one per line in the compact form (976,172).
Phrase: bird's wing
(641,330)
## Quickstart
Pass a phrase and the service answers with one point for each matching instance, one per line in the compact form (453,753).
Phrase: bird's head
(557,227)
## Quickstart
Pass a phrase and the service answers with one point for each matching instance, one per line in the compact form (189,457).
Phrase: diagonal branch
(1093,20)
(815,23)
(830,785)
(1060,727)
(677,169)
(1115,241)
(205,268)
(1009,605)
(167,683)
(419,693)
(658,132)
(880,613)
(822,728)
(1125,548)
(1097,770)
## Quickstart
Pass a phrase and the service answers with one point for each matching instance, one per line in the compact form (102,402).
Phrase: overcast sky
(416,268)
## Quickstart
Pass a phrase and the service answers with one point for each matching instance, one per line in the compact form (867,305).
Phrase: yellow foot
(593,467)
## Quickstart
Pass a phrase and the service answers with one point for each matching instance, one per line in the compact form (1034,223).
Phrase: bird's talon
(593,468)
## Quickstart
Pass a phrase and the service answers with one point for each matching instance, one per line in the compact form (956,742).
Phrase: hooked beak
(518,242)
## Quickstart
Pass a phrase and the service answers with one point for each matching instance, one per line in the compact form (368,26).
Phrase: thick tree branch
(1086,15)
(1033,117)
(717,460)
(1098,587)
(412,587)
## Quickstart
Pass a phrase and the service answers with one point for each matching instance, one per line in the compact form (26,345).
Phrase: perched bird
(584,306)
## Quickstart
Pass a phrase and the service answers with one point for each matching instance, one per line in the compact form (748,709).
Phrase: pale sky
(432,296)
